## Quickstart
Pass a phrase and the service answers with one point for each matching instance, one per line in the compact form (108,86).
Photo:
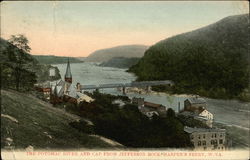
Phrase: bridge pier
(124,90)
(148,88)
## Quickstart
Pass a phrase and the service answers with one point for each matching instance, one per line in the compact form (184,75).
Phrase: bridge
(124,85)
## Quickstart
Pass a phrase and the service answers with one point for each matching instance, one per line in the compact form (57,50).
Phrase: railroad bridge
(146,84)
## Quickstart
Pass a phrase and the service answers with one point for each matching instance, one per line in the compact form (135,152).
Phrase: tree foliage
(131,128)
(19,70)
(212,61)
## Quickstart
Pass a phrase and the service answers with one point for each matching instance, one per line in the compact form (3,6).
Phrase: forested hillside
(127,51)
(19,70)
(211,61)
(55,59)
(120,62)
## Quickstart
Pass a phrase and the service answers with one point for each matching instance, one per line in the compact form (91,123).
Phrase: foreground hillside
(211,61)
(127,51)
(29,122)
(55,59)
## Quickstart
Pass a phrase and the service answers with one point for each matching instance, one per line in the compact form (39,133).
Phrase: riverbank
(229,112)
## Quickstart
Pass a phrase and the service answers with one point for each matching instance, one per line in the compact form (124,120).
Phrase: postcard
(125,80)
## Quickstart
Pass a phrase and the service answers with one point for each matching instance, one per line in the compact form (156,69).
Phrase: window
(221,141)
(215,142)
(212,135)
(215,135)
(199,143)
(199,136)
(192,137)
(203,143)
(204,136)
(212,141)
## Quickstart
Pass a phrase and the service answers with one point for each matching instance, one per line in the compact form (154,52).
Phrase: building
(207,139)
(138,101)
(194,103)
(148,108)
(68,75)
(197,116)
(44,88)
(64,91)
(196,108)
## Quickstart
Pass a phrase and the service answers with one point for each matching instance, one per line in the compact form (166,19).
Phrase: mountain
(120,62)
(127,51)
(211,61)
(50,59)
(27,121)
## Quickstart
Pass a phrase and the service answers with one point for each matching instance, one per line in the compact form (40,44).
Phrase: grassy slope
(36,117)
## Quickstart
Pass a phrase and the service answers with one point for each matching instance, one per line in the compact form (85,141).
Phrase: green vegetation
(126,51)
(212,61)
(120,62)
(191,122)
(129,127)
(55,59)
(19,70)
(40,125)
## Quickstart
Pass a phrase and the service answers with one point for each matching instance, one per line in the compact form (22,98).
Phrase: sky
(79,28)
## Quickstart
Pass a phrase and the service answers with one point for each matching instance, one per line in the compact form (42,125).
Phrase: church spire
(68,75)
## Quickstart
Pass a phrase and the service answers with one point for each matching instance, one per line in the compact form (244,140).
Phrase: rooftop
(196,100)
(150,104)
(192,130)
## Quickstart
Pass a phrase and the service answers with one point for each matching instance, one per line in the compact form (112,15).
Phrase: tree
(170,113)
(19,57)
(21,42)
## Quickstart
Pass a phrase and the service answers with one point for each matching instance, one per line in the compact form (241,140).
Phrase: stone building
(207,139)
(194,103)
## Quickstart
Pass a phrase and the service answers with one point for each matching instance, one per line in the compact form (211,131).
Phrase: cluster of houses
(202,138)
(195,107)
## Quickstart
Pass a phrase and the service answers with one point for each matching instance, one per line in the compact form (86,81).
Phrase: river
(230,112)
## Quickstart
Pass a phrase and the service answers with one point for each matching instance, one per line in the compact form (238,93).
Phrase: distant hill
(50,59)
(127,51)
(27,121)
(211,61)
(120,62)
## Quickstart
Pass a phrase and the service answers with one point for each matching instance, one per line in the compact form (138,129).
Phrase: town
(206,138)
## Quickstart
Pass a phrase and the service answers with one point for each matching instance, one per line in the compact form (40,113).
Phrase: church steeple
(68,75)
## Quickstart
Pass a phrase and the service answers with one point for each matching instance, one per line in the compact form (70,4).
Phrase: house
(196,108)
(160,109)
(148,108)
(207,139)
(208,122)
(194,103)
(138,101)
(43,88)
